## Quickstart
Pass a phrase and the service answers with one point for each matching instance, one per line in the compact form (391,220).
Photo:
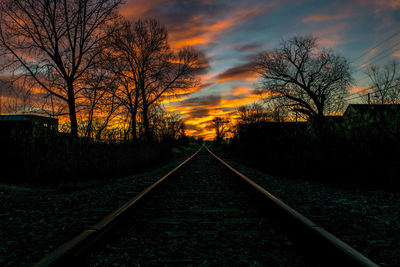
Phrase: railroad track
(205,213)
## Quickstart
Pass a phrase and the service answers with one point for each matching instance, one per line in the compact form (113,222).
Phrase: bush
(54,159)
(361,158)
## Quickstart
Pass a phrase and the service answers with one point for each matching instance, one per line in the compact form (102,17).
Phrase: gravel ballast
(36,220)
(368,220)
(200,217)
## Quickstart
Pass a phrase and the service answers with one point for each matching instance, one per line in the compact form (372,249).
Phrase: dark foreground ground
(368,220)
(35,220)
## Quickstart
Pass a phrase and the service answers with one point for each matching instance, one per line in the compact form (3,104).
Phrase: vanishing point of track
(205,213)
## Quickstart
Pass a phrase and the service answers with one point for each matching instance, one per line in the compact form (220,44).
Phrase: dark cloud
(5,87)
(10,89)
(203,101)
(229,110)
(204,63)
(240,72)
(199,112)
(201,23)
(204,86)
(238,96)
(250,47)
(192,127)
(176,13)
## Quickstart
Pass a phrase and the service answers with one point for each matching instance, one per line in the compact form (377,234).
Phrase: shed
(372,113)
(27,125)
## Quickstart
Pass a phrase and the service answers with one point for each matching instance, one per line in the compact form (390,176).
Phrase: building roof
(374,109)
(25,117)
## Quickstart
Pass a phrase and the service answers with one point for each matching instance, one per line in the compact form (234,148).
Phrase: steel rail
(71,251)
(333,249)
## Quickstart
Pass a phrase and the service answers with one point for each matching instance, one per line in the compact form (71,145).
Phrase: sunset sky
(231,32)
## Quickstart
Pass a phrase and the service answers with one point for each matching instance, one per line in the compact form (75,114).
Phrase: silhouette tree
(169,126)
(385,81)
(150,69)
(253,114)
(123,62)
(56,43)
(100,103)
(307,79)
(16,96)
(221,128)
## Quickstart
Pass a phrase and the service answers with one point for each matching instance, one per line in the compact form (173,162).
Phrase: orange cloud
(198,33)
(331,36)
(199,111)
(325,17)
(358,89)
(204,30)
(137,8)
(188,28)
(396,54)
(241,90)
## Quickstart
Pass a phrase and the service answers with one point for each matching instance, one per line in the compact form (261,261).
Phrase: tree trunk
(72,112)
(147,134)
(133,118)
(89,126)
(145,116)
(133,125)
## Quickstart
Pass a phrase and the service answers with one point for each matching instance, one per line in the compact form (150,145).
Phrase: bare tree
(304,77)
(170,127)
(100,103)
(253,114)
(56,42)
(151,70)
(176,74)
(220,125)
(385,81)
(279,112)
(17,96)
(124,64)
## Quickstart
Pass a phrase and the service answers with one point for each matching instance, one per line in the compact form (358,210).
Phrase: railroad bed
(204,213)
(200,217)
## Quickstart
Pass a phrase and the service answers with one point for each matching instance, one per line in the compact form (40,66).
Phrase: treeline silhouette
(84,61)
(104,77)
(344,151)
(55,159)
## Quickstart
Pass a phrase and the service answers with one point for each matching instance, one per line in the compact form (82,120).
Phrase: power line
(383,52)
(379,44)
(362,79)
(346,99)
(375,58)
(349,99)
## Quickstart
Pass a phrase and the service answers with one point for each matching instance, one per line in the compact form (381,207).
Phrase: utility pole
(369,98)
(1,102)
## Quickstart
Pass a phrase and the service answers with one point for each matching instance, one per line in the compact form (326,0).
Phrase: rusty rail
(330,248)
(71,251)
